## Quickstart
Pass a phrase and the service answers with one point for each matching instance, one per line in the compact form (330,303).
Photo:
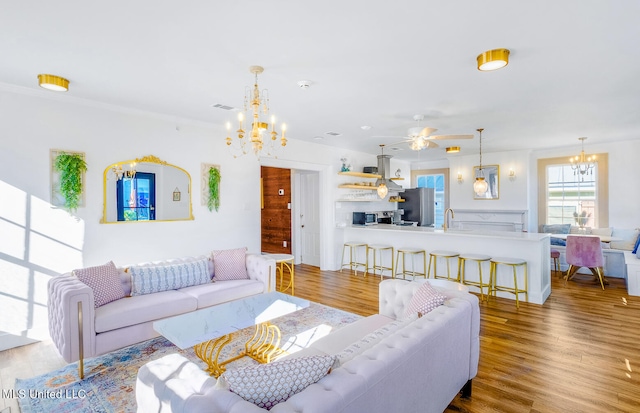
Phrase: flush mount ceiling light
(256,105)
(453,149)
(493,59)
(53,82)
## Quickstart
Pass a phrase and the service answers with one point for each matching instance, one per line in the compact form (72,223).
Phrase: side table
(284,261)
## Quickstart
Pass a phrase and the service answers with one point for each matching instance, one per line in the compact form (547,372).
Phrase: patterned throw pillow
(104,281)
(147,279)
(230,264)
(266,385)
(425,299)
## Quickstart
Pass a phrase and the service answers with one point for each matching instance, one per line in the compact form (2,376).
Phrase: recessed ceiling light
(365,127)
(331,133)
(318,138)
(304,84)
(395,148)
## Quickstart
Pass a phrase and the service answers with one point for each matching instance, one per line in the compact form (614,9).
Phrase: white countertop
(527,236)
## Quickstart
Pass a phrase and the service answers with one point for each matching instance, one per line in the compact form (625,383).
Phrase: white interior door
(309,218)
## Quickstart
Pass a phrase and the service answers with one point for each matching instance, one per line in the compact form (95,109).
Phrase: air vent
(333,133)
(221,106)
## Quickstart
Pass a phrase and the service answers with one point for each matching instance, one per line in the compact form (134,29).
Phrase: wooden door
(276,210)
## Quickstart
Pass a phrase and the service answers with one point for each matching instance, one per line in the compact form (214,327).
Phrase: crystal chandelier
(583,164)
(256,109)
(480,186)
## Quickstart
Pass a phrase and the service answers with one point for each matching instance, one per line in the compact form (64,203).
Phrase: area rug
(109,383)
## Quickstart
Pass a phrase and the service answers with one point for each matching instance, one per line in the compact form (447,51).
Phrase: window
(136,197)
(569,198)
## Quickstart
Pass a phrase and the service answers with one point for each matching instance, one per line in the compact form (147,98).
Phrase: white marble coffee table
(209,330)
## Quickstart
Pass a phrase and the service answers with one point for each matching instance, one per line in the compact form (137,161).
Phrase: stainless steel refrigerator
(419,206)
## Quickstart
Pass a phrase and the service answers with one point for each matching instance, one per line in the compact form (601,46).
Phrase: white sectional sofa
(418,367)
(129,320)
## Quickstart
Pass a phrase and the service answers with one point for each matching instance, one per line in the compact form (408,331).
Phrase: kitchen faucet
(446,216)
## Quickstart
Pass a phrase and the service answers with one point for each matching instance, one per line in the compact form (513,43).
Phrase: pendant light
(480,186)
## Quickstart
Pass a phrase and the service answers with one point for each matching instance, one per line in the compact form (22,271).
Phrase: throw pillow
(602,231)
(628,239)
(266,385)
(635,248)
(557,229)
(230,264)
(104,281)
(425,299)
(147,279)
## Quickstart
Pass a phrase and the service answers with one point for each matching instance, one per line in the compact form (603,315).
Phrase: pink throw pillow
(230,264)
(104,281)
(425,299)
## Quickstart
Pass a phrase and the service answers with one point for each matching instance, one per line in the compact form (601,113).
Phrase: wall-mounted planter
(67,179)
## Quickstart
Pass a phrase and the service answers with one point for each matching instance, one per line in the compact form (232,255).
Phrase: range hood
(384,168)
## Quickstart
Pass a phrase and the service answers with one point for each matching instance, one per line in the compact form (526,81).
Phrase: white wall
(38,241)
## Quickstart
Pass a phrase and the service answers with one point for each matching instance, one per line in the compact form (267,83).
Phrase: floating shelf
(397,179)
(396,200)
(359,200)
(351,186)
(360,174)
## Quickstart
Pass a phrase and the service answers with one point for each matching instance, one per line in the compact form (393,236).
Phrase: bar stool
(412,252)
(353,256)
(514,263)
(433,257)
(462,275)
(378,248)
(555,256)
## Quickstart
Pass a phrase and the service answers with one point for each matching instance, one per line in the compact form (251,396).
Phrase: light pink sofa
(419,367)
(130,320)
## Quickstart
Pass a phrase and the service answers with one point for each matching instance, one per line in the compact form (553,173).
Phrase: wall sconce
(460,180)
(512,174)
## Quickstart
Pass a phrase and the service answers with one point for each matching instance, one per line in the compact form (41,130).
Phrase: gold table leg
(262,347)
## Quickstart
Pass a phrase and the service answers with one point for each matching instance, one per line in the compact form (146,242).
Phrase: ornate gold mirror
(146,189)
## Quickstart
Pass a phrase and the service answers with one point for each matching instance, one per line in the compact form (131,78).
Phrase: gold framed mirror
(144,190)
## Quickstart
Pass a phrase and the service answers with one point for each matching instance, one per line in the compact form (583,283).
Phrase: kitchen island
(532,247)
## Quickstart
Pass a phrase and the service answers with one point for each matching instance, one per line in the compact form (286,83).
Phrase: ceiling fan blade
(427,131)
(431,145)
(441,137)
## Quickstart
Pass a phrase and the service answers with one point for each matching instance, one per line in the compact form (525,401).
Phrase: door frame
(324,198)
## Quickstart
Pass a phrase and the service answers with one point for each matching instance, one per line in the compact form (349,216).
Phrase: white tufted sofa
(130,320)
(418,368)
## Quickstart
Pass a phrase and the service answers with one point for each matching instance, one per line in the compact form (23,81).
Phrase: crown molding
(67,99)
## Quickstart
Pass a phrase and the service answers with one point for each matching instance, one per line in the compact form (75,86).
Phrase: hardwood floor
(579,352)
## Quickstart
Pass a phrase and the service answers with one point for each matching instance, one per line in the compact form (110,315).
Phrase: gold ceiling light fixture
(453,149)
(53,82)
(493,59)
(583,164)
(256,110)
(480,186)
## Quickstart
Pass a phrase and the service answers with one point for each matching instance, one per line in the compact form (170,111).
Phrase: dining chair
(585,251)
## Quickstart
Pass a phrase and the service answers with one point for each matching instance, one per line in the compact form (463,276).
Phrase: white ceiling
(573,68)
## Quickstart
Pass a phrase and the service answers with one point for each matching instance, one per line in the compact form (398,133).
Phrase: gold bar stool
(353,256)
(514,263)
(555,256)
(377,249)
(433,257)
(462,274)
(412,252)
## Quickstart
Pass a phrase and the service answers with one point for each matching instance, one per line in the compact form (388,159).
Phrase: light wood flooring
(579,352)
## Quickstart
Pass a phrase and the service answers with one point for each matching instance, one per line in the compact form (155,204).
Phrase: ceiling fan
(420,138)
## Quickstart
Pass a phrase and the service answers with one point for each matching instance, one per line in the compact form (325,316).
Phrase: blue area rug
(109,384)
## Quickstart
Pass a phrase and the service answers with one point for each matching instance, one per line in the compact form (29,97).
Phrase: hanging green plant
(71,166)
(214,189)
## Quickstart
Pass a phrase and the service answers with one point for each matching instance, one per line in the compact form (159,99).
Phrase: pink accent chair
(585,251)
